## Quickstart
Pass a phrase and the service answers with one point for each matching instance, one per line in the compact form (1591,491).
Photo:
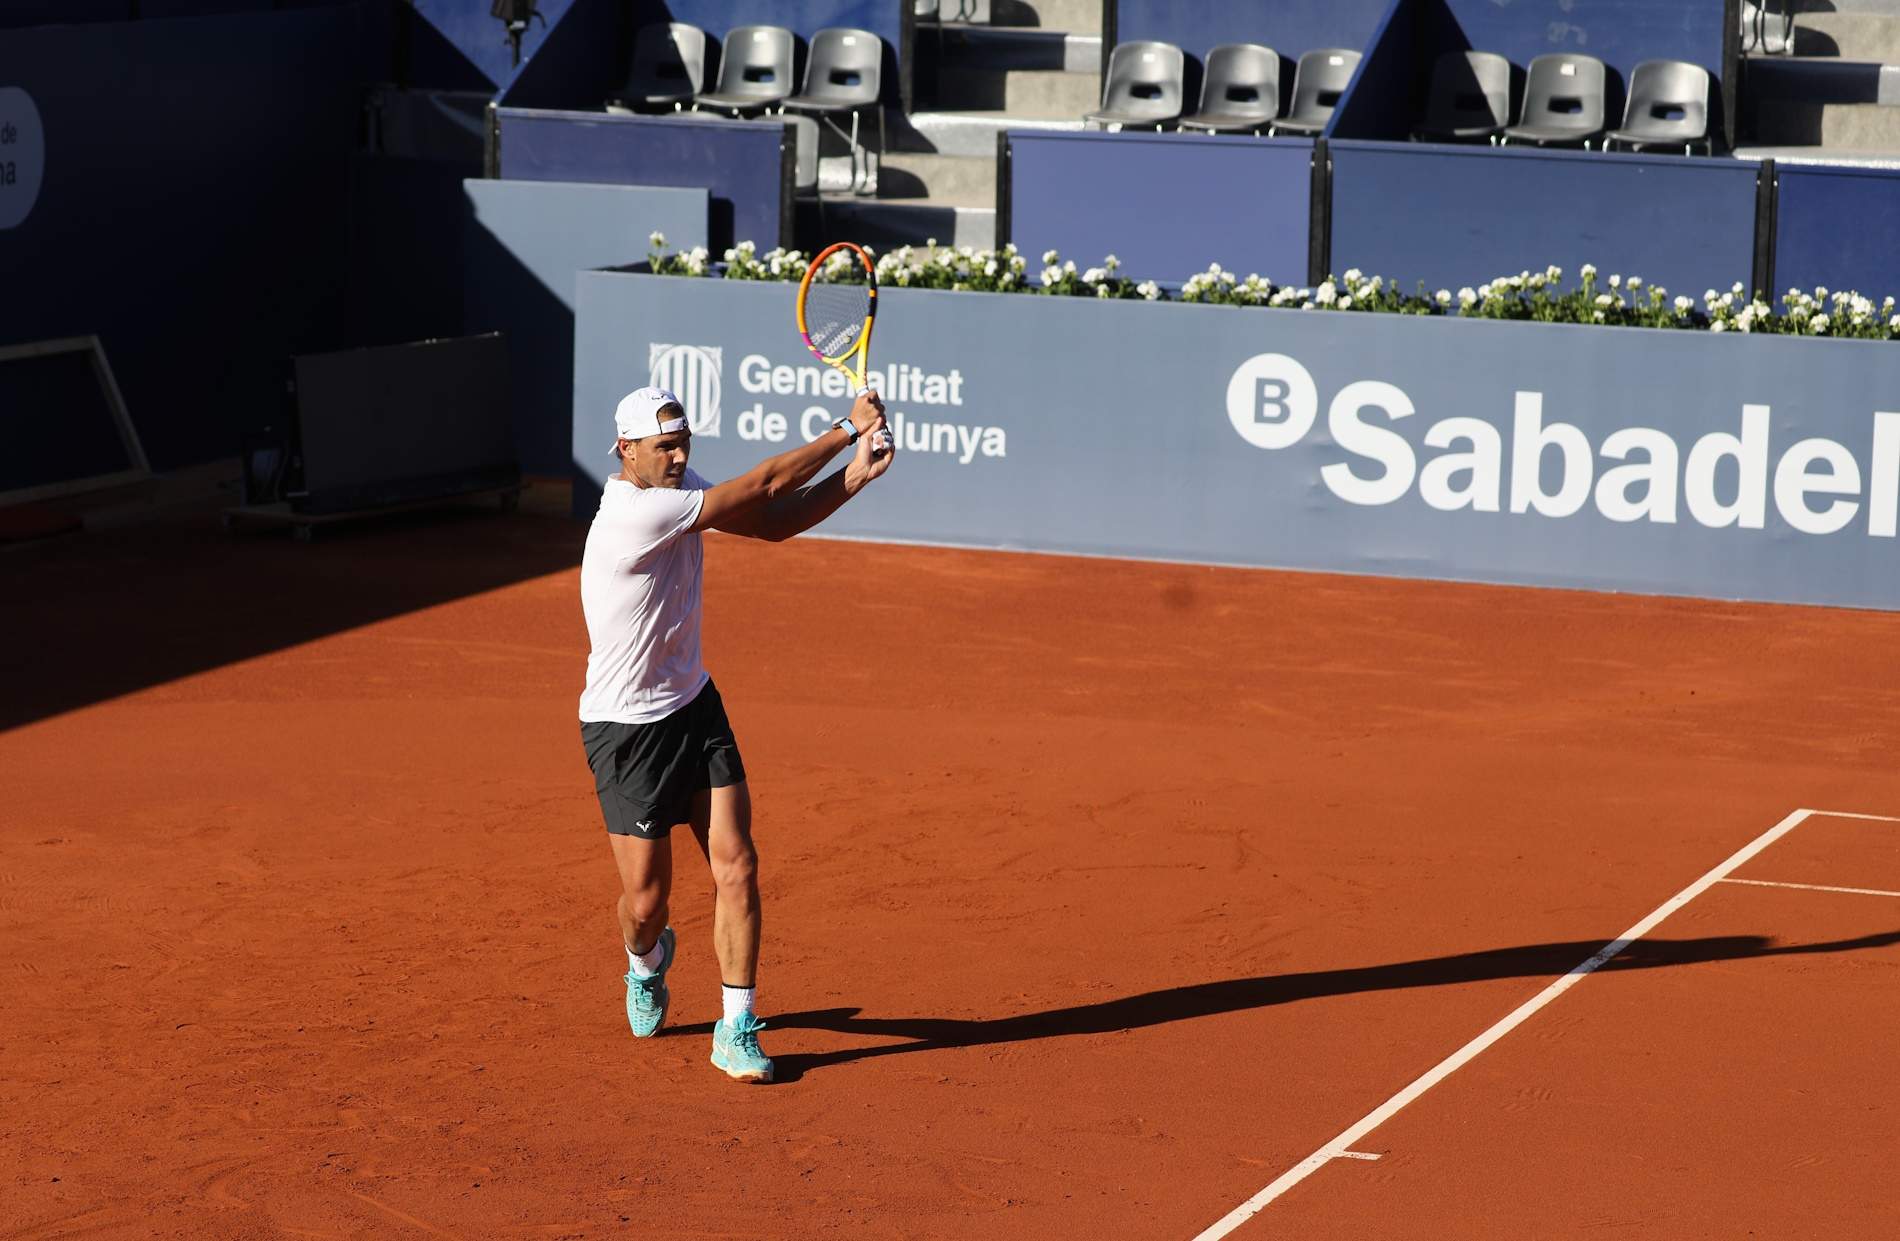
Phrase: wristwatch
(849,428)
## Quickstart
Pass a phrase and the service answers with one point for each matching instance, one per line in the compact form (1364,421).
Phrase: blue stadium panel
(1166,205)
(742,164)
(1836,227)
(1290,27)
(1454,216)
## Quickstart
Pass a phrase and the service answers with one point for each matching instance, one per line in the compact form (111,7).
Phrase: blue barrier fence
(1457,215)
(1166,205)
(1624,459)
(1836,227)
(526,240)
(1291,27)
(744,166)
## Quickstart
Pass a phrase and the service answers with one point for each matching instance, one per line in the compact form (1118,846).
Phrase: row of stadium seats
(843,77)
(1563,102)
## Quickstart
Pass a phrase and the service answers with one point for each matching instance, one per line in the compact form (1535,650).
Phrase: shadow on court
(1153,1008)
(93,617)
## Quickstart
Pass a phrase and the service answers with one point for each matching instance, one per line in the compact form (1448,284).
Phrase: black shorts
(646,774)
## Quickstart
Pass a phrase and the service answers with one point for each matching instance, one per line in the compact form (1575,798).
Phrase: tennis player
(652,723)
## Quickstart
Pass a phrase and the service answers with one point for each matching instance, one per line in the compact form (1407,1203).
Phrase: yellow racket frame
(855,362)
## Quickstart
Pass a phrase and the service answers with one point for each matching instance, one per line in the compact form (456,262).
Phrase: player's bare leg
(646,880)
(722,823)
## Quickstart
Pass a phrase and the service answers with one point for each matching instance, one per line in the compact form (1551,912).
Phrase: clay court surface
(1098,896)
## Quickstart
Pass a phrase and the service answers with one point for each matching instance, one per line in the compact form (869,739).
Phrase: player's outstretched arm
(733,504)
(800,511)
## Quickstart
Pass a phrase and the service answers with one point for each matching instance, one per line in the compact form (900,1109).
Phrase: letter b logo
(1271,401)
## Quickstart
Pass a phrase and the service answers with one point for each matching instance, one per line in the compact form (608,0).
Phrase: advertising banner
(1682,463)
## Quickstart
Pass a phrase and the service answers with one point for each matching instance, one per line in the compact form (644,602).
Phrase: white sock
(737,1000)
(646,964)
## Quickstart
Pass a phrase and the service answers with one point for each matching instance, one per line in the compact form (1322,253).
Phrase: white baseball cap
(638,415)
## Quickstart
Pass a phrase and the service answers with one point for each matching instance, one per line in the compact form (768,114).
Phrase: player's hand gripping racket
(835,314)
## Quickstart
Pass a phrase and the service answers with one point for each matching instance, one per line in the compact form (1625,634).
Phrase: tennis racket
(837,303)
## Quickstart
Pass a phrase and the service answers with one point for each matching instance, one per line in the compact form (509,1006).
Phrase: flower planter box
(1684,463)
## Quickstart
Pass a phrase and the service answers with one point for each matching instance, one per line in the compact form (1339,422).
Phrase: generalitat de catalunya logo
(1734,474)
(692,373)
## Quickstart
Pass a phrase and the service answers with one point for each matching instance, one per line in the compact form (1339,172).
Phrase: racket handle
(883,438)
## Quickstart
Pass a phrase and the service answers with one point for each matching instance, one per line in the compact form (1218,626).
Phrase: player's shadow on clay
(1153,1008)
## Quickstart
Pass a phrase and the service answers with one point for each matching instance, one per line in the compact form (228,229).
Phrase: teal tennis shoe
(736,1052)
(647,997)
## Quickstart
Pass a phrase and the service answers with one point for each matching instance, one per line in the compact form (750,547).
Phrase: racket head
(837,305)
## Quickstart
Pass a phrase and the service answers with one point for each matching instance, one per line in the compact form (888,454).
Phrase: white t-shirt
(640,580)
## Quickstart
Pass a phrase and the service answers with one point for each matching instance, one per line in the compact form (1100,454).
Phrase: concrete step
(1009,47)
(885,225)
(1044,94)
(1819,155)
(944,180)
(1848,35)
(963,133)
(1834,126)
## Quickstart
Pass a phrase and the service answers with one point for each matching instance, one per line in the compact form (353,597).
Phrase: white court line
(1812,887)
(1359,1155)
(1339,1146)
(1844,814)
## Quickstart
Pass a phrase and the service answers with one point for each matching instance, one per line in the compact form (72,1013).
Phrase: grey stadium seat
(1563,101)
(1470,98)
(1668,106)
(755,70)
(1318,81)
(1240,90)
(669,66)
(843,77)
(1143,85)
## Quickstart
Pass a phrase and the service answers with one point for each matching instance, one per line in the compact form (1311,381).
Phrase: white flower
(1538,281)
(1604,299)
(1378,282)
(989,268)
(1588,271)
(1354,276)
(1306,305)
(1684,305)
(1597,315)
(1820,292)
(1554,273)
(1326,294)
(1893,324)
(1819,324)
(1094,275)
(1468,296)
(1736,288)
(1718,326)
(1345,303)
(1069,267)
(656,238)
(1049,257)
(1101,290)
(1616,282)
(1442,297)
(1149,290)
(1111,262)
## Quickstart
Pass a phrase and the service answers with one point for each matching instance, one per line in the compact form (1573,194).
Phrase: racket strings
(834,316)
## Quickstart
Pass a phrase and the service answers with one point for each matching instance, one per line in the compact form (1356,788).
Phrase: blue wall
(1290,27)
(1453,216)
(1838,227)
(192,209)
(526,240)
(1166,205)
(738,162)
